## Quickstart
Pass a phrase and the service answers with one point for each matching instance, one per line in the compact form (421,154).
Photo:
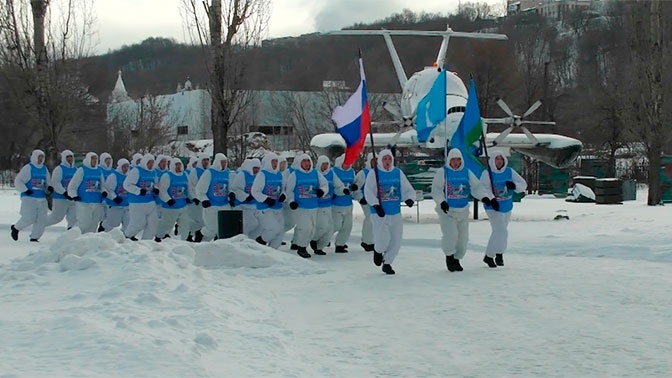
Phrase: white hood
(146,159)
(104,156)
(321,160)
(299,159)
(338,162)
(192,162)
(120,163)
(266,162)
(385,152)
(280,160)
(367,163)
(161,158)
(491,161)
(135,160)
(64,158)
(249,165)
(34,156)
(455,153)
(200,157)
(217,163)
(174,162)
(87,159)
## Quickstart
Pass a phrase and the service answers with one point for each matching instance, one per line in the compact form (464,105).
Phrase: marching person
(324,223)
(242,188)
(87,189)
(386,210)
(342,206)
(505,181)
(141,186)
(267,191)
(213,190)
(194,208)
(173,192)
(452,188)
(116,212)
(304,187)
(360,182)
(34,183)
(62,205)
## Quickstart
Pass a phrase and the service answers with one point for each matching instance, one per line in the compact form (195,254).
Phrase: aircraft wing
(555,150)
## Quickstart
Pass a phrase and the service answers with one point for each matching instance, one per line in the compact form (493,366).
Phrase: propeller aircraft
(556,150)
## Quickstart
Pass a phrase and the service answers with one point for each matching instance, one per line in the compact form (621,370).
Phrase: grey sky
(125,22)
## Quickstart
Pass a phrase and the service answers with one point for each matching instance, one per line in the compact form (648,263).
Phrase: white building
(288,118)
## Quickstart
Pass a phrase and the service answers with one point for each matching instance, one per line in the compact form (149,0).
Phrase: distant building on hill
(288,118)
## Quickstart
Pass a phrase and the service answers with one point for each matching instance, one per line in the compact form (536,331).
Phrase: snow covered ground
(588,297)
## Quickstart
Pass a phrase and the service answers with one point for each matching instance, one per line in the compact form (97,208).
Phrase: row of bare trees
(41,44)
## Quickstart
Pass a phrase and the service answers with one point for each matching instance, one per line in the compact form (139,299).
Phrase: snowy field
(587,297)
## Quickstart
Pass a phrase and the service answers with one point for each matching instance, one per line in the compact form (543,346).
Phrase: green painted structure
(666,178)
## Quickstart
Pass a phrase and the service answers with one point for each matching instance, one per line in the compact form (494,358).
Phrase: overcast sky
(126,22)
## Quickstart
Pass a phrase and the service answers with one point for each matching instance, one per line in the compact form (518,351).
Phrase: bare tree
(225,29)
(147,125)
(644,98)
(43,40)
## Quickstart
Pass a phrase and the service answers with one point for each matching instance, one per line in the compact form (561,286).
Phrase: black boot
(457,265)
(387,268)
(450,263)
(199,237)
(320,252)
(294,247)
(260,240)
(100,227)
(176,229)
(377,258)
(15,233)
(190,238)
(303,253)
(341,249)
(488,260)
(157,239)
(34,240)
(499,259)
(367,247)
(132,238)
(313,245)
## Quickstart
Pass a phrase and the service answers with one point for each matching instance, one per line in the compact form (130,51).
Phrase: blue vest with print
(106,172)
(37,182)
(66,176)
(348,178)
(457,190)
(504,196)
(389,191)
(272,189)
(218,192)
(327,200)
(119,191)
(91,188)
(249,180)
(304,191)
(177,190)
(145,181)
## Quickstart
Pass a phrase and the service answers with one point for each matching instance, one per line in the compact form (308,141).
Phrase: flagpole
(487,164)
(445,137)
(373,151)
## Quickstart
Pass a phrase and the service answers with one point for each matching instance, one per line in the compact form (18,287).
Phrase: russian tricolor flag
(353,120)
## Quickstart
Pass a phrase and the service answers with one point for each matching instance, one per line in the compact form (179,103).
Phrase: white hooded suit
(33,207)
(387,230)
(455,223)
